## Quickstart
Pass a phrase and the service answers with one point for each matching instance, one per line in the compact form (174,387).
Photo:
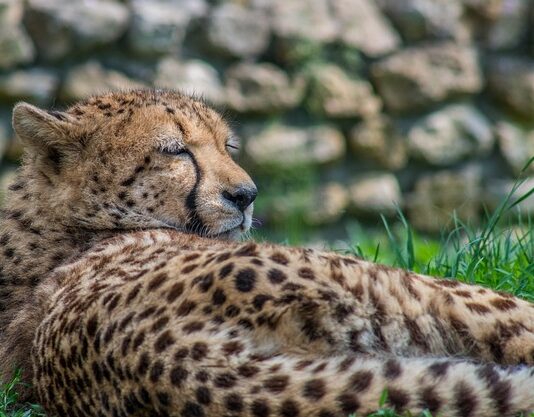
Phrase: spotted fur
(161,322)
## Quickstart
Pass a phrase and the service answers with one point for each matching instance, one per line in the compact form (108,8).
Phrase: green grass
(499,255)
(9,401)
(502,259)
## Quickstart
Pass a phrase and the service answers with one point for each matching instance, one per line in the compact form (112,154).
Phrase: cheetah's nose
(241,197)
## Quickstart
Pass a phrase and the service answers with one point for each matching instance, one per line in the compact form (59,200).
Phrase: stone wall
(363,105)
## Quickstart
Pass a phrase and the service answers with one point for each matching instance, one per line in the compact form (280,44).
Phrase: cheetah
(126,291)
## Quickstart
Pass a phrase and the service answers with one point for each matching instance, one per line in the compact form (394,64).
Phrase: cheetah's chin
(233,233)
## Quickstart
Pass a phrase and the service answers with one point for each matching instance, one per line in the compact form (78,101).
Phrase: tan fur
(160,322)
(96,170)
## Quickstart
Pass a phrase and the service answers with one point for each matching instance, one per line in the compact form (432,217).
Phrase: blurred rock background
(347,108)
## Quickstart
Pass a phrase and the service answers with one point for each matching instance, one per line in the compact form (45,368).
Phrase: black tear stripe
(194,224)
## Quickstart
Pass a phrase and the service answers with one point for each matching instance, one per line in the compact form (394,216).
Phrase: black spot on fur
(245,280)
(348,403)
(225,380)
(289,408)
(276,276)
(279,258)
(226,270)
(203,395)
(163,341)
(199,351)
(92,324)
(430,400)
(260,408)
(156,371)
(192,409)
(465,400)
(259,300)
(439,369)
(248,371)
(143,364)
(314,389)
(398,398)
(129,181)
(392,369)
(360,381)
(175,291)
(234,402)
(218,297)
(178,375)
(276,384)
(186,308)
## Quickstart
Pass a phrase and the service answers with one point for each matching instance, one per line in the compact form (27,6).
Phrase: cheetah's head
(137,159)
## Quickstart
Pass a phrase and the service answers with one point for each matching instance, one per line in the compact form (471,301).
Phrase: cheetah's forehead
(192,118)
(138,98)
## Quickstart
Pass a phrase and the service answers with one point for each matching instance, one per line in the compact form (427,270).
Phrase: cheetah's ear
(38,128)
